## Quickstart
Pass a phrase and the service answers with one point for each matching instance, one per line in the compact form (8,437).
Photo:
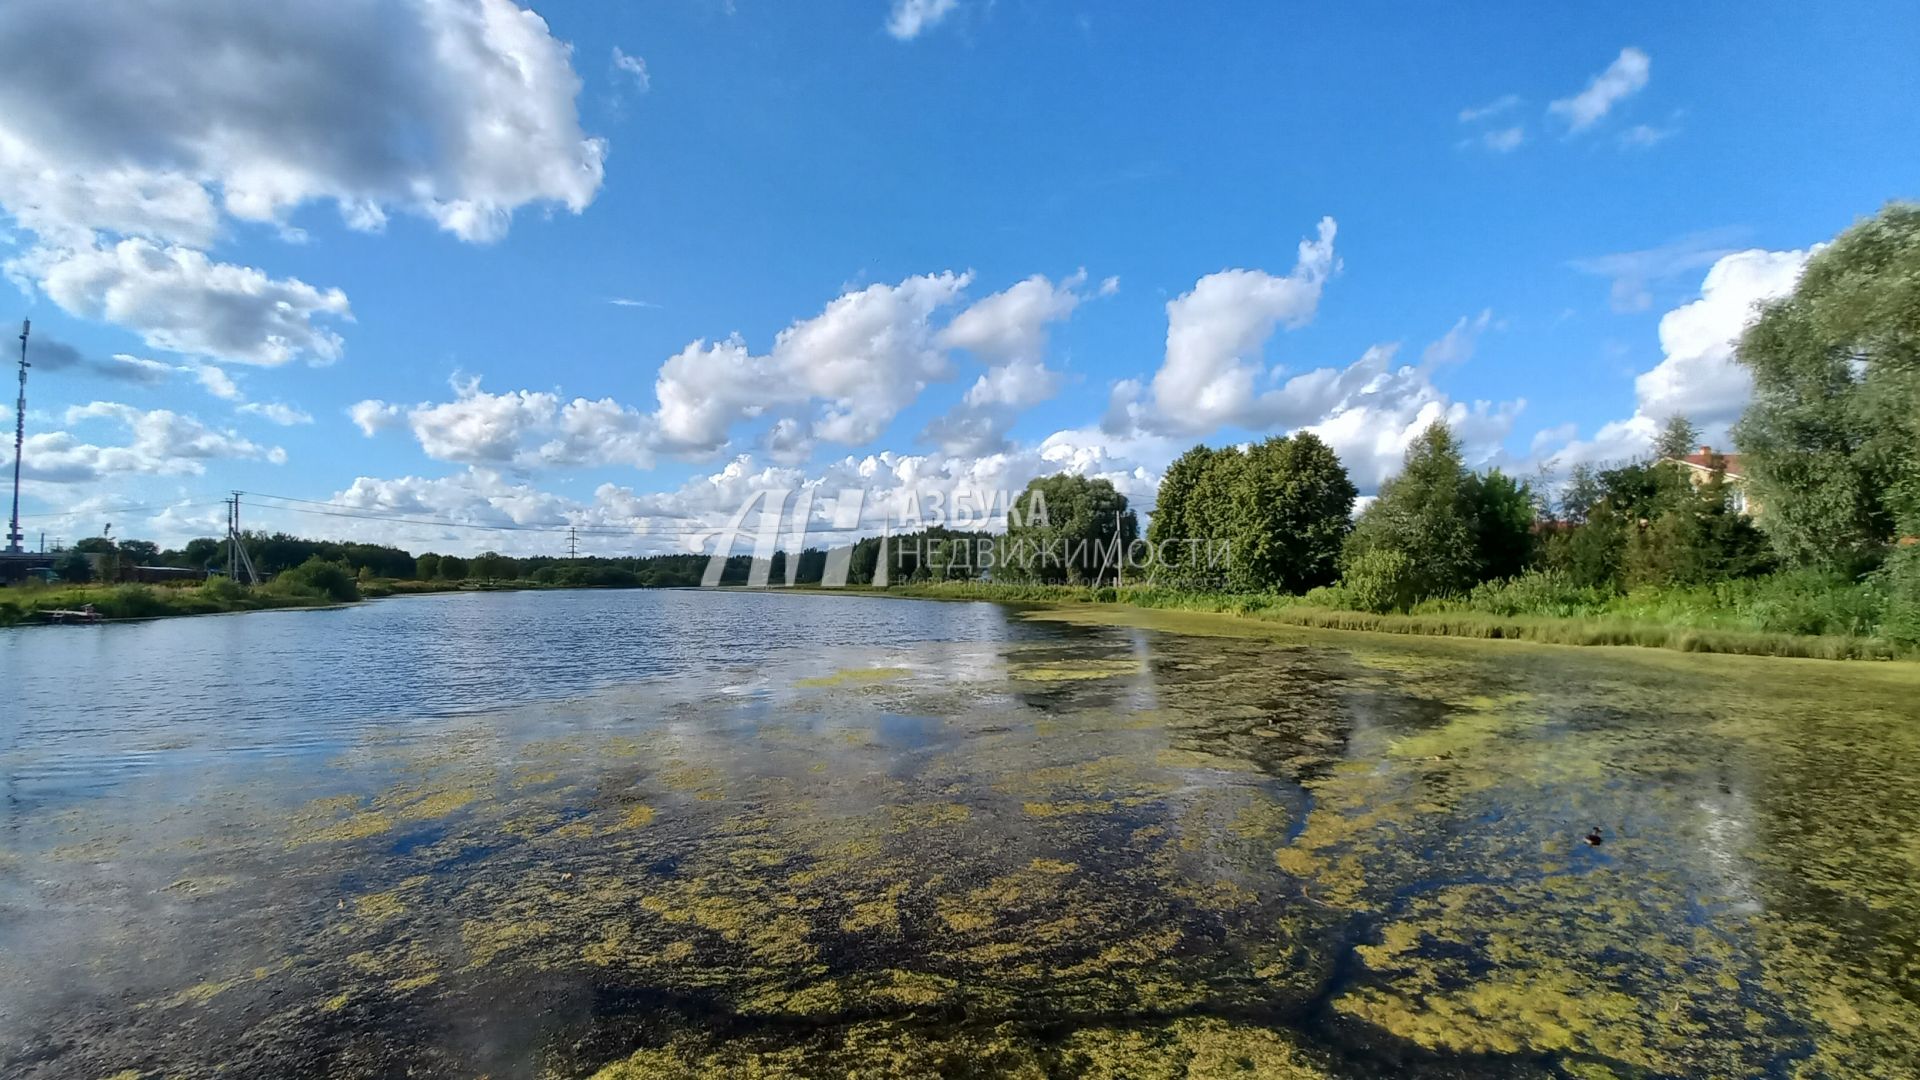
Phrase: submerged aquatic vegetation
(1043,671)
(888,1050)
(854,677)
(1209,857)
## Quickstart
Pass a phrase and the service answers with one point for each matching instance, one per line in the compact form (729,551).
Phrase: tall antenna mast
(19,441)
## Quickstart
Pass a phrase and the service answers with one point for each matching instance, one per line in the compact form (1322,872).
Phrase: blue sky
(282,215)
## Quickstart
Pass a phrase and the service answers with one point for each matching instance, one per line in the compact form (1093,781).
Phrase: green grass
(23,604)
(1720,619)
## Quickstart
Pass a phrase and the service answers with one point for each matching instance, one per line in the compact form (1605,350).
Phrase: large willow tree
(1831,439)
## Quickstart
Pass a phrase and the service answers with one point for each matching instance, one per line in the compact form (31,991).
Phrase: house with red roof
(1703,463)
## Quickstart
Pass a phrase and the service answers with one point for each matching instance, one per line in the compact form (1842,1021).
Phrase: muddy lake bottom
(663,834)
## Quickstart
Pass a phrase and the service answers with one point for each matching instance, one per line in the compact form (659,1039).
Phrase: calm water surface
(642,834)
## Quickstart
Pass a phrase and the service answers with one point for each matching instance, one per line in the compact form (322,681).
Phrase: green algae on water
(1192,857)
(854,677)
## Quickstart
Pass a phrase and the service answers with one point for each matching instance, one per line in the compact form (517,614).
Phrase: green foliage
(1382,578)
(426,567)
(1691,534)
(1290,515)
(493,566)
(1426,514)
(273,553)
(1729,617)
(140,552)
(593,576)
(74,567)
(1808,602)
(936,554)
(1538,592)
(197,554)
(1065,531)
(1831,439)
(1651,522)
(223,591)
(1677,439)
(24,604)
(1175,512)
(1282,509)
(1502,523)
(1899,581)
(1590,553)
(1582,493)
(319,579)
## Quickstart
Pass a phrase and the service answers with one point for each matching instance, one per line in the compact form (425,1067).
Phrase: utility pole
(573,543)
(237,557)
(19,441)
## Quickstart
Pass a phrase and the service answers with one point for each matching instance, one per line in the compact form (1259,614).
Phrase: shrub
(1537,592)
(1381,579)
(319,579)
(222,590)
(1899,582)
(1809,602)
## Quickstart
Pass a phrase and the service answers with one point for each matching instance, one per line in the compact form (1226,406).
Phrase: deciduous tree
(1831,438)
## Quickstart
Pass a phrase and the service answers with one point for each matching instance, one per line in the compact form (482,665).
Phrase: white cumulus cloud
(159,442)
(910,18)
(179,300)
(1697,375)
(868,355)
(1009,330)
(373,416)
(1626,76)
(277,412)
(133,134)
(519,429)
(1215,336)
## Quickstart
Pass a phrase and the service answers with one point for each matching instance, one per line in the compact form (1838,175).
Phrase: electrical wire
(336,510)
(668,526)
(117,510)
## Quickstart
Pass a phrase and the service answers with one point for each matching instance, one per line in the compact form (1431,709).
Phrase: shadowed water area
(663,834)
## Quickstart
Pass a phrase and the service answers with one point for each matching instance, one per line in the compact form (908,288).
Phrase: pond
(666,833)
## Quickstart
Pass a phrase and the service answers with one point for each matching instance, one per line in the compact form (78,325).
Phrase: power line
(673,525)
(668,527)
(119,510)
(370,515)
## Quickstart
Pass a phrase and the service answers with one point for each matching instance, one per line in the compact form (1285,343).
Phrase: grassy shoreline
(1295,612)
(24,605)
